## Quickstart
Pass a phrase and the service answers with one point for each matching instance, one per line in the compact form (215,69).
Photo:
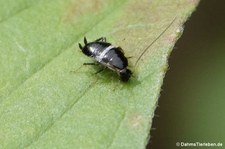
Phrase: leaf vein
(117,129)
(16,13)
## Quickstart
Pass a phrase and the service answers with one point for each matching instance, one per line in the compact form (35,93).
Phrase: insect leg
(100,70)
(102,39)
(89,63)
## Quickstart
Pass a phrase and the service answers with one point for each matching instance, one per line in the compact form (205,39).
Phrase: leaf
(49,100)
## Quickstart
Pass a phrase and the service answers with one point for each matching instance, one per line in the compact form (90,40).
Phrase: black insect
(107,55)
(113,57)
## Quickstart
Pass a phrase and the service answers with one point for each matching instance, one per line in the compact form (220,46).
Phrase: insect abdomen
(116,58)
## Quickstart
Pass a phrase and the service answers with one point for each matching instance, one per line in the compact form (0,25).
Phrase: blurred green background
(192,103)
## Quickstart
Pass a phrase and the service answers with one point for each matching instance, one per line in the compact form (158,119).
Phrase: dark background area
(192,103)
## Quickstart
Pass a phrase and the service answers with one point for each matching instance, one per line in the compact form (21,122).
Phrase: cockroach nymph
(107,55)
(113,57)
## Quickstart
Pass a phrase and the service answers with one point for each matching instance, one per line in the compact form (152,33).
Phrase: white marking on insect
(100,57)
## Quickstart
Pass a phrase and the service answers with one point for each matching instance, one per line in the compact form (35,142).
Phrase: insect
(107,55)
(113,57)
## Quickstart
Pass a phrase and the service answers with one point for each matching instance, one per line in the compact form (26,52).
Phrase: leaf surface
(49,100)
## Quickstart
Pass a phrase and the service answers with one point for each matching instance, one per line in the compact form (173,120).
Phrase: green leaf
(49,100)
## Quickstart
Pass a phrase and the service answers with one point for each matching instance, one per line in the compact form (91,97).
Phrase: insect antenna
(85,40)
(80,46)
(145,50)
